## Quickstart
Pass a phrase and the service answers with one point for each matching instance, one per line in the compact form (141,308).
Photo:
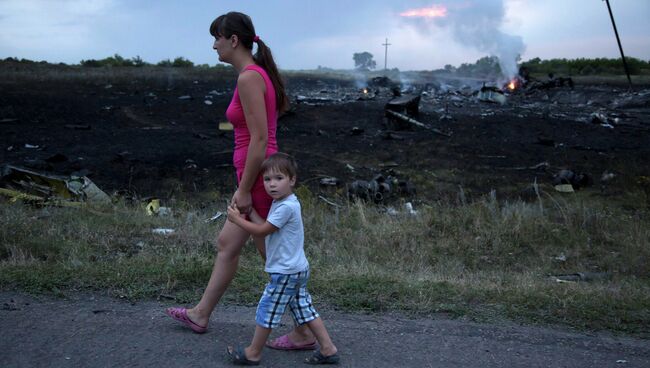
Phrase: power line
(386,44)
(620,47)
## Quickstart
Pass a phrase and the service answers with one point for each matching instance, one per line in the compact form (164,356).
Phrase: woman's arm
(251,94)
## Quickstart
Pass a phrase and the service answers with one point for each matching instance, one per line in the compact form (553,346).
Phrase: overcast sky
(304,34)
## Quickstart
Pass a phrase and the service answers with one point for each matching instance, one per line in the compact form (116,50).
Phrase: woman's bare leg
(230,242)
(301,335)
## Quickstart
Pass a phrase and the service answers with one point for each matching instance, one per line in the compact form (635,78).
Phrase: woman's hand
(243,201)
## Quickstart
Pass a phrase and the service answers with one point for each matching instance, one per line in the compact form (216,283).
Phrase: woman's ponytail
(264,58)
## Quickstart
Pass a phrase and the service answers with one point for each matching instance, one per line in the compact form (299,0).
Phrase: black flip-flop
(318,358)
(238,356)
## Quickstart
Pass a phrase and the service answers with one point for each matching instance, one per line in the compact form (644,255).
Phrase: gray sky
(304,34)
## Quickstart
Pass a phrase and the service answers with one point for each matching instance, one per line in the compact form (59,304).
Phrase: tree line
(583,66)
(489,66)
(119,61)
(485,66)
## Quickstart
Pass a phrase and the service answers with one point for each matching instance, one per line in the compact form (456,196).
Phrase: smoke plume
(477,24)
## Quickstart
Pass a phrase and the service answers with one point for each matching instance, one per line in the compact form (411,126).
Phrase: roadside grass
(486,260)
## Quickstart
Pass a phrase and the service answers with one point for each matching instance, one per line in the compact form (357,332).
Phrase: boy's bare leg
(254,350)
(230,242)
(260,244)
(317,327)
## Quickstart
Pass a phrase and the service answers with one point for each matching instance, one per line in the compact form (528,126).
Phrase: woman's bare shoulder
(250,77)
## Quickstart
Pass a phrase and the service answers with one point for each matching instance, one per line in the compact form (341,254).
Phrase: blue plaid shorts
(282,291)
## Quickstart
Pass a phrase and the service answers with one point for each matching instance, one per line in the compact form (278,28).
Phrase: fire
(365,90)
(512,85)
(434,11)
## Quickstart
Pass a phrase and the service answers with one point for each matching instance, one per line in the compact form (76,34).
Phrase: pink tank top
(235,114)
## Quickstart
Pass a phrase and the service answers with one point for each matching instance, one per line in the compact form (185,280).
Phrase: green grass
(487,260)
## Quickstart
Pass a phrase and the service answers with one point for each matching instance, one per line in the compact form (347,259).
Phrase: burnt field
(150,133)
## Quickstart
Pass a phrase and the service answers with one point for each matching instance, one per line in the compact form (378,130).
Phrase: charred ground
(155,133)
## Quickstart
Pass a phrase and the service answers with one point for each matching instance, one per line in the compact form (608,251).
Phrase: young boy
(286,264)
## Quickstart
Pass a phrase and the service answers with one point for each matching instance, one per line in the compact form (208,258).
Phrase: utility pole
(386,44)
(620,48)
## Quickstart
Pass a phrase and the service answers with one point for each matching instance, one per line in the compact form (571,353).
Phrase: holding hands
(243,201)
(233,212)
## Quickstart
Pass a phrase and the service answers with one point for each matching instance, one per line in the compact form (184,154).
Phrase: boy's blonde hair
(281,162)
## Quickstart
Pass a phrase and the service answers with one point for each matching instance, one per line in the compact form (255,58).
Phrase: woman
(257,100)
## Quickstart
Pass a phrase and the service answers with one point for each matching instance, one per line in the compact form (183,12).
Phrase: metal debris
(225,126)
(163,231)
(416,123)
(215,217)
(329,181)
(21,183)
(154,208)
(380,188)
(576,181)
(491,94)
(582,276)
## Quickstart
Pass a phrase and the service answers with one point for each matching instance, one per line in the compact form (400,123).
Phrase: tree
(165,63)
(363,61)
(181,62)
(450,68)
(137,61)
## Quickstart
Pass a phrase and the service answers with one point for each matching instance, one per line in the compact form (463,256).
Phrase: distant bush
(114,61)
(223,67)
(137,61)
(487,66)
(582,66)
(21,61)
(165,62)
(179,62)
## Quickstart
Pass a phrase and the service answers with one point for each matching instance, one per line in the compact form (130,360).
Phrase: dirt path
(87,330)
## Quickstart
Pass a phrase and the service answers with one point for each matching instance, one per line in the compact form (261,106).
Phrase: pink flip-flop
(284,343)
(180,315)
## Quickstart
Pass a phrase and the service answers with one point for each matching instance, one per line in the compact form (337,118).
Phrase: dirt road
(85,330)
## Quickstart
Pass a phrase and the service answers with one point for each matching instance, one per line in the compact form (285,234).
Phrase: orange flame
(434,11)
(511,85)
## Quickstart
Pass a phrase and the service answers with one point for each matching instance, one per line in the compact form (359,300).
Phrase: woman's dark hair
(240,24)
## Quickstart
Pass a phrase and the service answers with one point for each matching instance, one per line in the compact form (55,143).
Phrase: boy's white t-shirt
(285,247)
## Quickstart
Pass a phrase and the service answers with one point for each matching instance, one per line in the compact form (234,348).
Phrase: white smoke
(477,24)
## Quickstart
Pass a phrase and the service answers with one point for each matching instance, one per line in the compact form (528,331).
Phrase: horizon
(423,35)
(323,68)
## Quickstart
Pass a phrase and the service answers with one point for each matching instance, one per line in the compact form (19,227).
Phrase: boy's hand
(233,213)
